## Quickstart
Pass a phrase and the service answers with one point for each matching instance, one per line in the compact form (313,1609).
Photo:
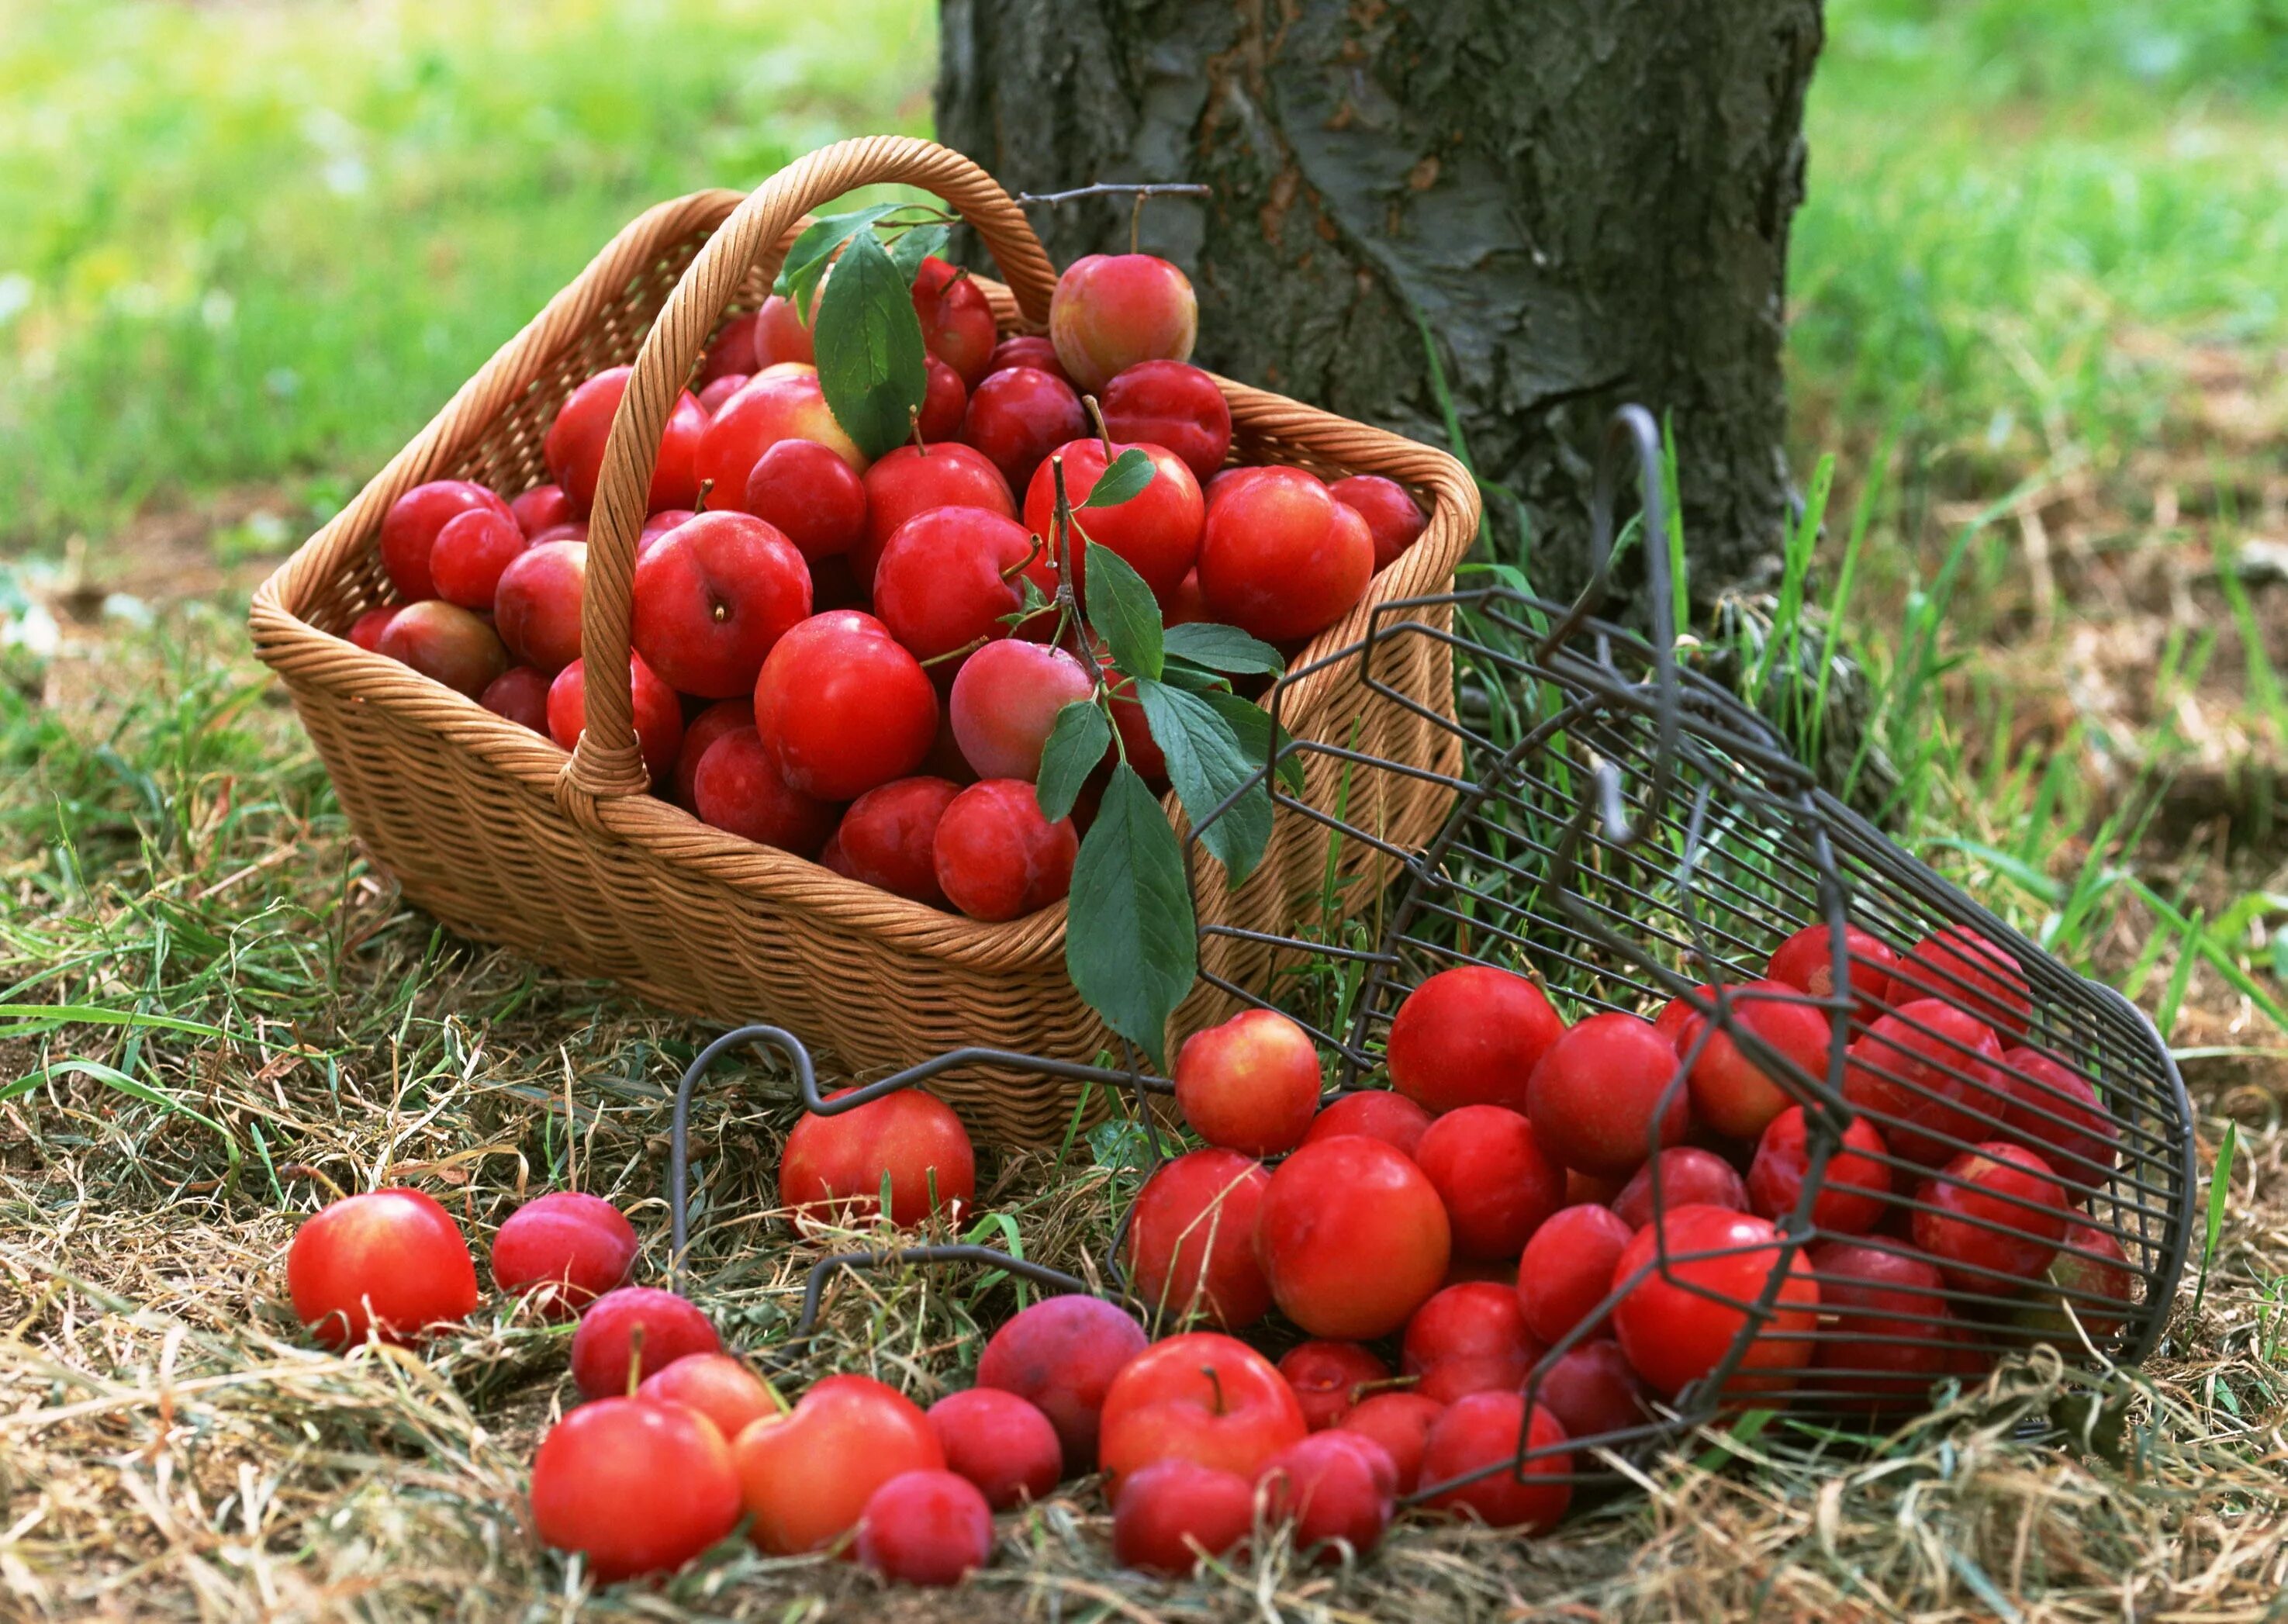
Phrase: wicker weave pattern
(504,837)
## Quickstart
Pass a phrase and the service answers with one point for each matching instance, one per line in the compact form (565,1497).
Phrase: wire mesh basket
(1991,1150)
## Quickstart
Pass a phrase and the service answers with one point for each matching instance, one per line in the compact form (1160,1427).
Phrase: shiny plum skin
(1489,1171)
(563,1250)
(384,1265)
(1471,1037)
(837,1165)
(997,858)
(1249,1084)
(1157,532)
(1060,1355)
(574,446)
(888,835)
(610,1358)
(811,495)
(1001,1442)
(657,713)
(843,707)
(1391,516)
(1996,1210)
(1678,1319)
(1168,403)
(1352,1237)
(1568,1269)
(1605,1095)
(1282,559)
(925,1528)
(1480,1429)
(409,530)
(1005,704)
(1016,417)
(1169,1513)
(1683,1176)
(1111,311)
(1853,1190)
(1190,1247)
(737,787)
(944,580)
(634,1487)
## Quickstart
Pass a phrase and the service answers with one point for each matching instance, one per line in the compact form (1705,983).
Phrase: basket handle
(606,764)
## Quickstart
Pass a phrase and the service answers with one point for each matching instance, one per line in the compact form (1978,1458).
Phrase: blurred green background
(256,245)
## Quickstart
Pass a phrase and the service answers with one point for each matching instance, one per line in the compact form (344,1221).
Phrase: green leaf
(1076,744)
(1182,673)
(914,246)
(813,251)
(1208,765)
(1126,479)
(1123,611)
(1250,722)
(1223,648)
(1129,941)
(870,362)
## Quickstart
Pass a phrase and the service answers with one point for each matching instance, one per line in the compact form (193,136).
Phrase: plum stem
(1215,1385)
(1103,435)
(699,503)
(635,1357)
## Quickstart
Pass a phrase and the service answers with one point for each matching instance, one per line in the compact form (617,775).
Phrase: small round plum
(633,1487)
(1005,704)
(1687,1286)
(1607,1094)
(1249,1084)
(1328,1378)
(1497,1185)
(563,1251)
(518,694)
(1891,1335)
(810,496)
(1683,1176)
(1593,1392)
(942,404)
(956,320)
(1481,1428)
(1111,311)
(731,353)
(574,446)
(1018,415)
(1995,1212)
(716,1385)
(1190,1247)
(1156,531)
(1853,1190)
(1170,1514)
(944,580)
(1060,1355)
(471,551)
(1000,1442)
(713,598)
(1282,559)
(843,707)
(410,530)
(537,605)
(997,858)
(737,787)
(1338,1489)
(1168,403)
(2091,1275)
(1471,1037)
(1202,1396)
(835,1166)
(1925,1072)
(926,1528)
(1568,1269)
(542,508)
(2054,1109)
(1352,1237)
(658,714)
(1469,1338)
(1401,1423)
(1805,961)
(447,643)
(608,1357)
(1027,350)
(781,334)
(382,1266)
(1391,516)
(1958,966)
(888,838)
(723,717)
(806,1476)
(1735,1095)
(1377,1113)
(366,630)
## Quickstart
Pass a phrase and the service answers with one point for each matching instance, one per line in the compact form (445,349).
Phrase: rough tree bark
(1585,201)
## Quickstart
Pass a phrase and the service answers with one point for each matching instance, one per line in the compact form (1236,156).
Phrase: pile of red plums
(1540,1233)
(846,658)
(1611,1192)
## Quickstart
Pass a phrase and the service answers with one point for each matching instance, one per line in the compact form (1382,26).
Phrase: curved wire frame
(1626,834)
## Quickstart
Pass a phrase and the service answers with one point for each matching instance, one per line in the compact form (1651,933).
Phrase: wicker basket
(505,837)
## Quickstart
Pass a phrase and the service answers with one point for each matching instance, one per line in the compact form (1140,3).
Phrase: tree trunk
(1585,203)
